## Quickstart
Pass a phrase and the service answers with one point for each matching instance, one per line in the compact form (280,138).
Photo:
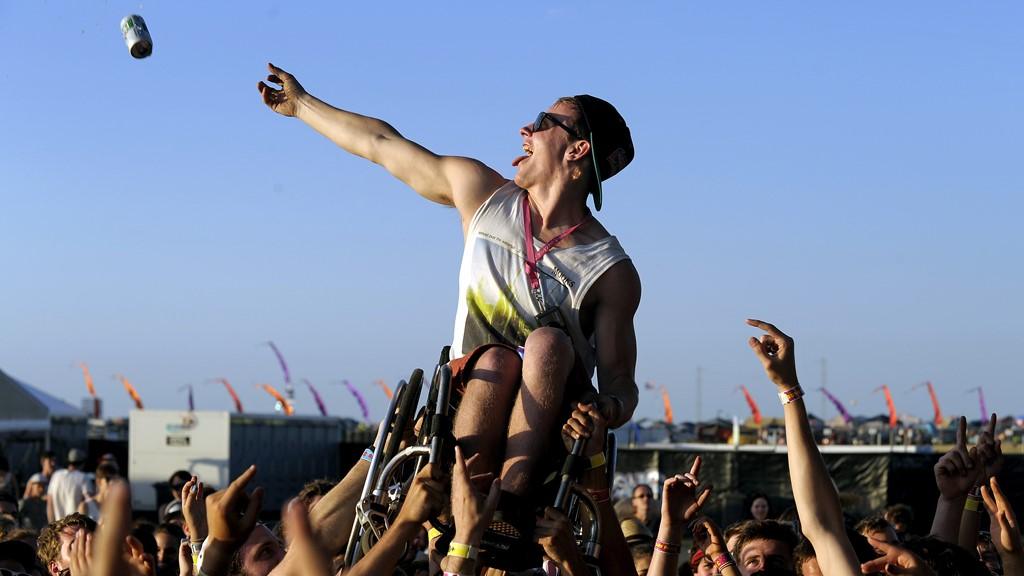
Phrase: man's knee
(549,346)
(497,366)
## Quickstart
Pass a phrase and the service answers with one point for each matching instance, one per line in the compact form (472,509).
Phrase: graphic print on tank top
(505,313)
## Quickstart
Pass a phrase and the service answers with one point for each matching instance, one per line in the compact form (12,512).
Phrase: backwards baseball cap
(76,456)
(611,146)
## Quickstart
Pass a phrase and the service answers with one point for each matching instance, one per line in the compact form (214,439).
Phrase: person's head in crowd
(168,539)
(700,563)
(8,504)
(805,561)
(640,542)
(260,553)
(901,517)
(143,533)
(26,535)
(988,554)
(758,507)
(109,458)
(8,524)
(732,532)
(177,481)
(877,527)
(17,556)
(54,549)
(764,546)
(36,486)
(173,514)
(314,490)
(76,459)
(48,462)
(946,559)
(105,474)
(643,502)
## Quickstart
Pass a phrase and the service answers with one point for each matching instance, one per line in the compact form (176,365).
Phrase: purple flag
(316,397)
(359,398)
(839,405)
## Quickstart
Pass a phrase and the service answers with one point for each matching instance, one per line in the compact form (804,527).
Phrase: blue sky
(849,171)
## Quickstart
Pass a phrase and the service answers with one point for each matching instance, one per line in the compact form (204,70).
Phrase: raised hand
(957,470)
(305,557)
(81,553)
(555,535)
(193,508)
(990,451)
(680,501)
(586,421)
(283,100)
(185,566)
(895,560)
(471,509)
(232,513)
(708,537)
(426,497)
(109,557)
(1005,530)
(775,351)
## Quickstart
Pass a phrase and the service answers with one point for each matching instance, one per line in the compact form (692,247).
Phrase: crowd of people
(89,527)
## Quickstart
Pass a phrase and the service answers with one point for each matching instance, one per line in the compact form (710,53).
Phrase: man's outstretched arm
(450,180)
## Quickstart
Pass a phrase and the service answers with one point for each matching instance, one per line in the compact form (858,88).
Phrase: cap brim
(598,191)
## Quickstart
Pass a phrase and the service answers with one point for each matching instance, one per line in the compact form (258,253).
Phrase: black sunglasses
(538,125)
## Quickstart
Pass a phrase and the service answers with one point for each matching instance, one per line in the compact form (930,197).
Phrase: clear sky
(848,170)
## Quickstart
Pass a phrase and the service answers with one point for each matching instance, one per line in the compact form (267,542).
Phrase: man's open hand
(283,100)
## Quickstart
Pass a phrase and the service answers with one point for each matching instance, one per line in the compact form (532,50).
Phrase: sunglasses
(538,125)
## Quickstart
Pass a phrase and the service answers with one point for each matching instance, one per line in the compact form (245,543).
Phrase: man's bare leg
(547,362)
(481,423)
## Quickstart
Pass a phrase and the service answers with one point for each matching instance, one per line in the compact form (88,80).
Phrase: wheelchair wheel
(404,414)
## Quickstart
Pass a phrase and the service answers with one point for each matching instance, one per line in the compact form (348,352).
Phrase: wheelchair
(393,467)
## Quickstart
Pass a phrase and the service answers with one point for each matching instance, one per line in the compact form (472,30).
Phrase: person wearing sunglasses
(547,295)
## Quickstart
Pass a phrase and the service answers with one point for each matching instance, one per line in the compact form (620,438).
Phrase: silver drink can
(136,36)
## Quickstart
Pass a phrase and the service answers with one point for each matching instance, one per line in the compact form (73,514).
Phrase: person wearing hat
(67,487)
(32,507)
(547,295)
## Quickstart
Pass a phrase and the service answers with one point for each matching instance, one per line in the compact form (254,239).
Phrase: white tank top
(495,302)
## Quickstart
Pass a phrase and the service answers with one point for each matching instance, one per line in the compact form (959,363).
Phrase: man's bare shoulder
(472,183)
(618,288)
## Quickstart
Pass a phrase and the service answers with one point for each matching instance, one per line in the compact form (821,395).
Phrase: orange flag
(893,419)
(754,410)
(131,391)
(668,405)
(386,389)
(285,405)
(234,396)
(88,379)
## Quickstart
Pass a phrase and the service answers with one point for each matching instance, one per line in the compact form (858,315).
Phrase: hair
(48,549)
(314,488)
(27,535)
(48,454)
(735,528)
(899,514)
(872,524)
(8,524)
(107,471)
(749,502)
(179,474)
(803,552)
(172,530)
(946,559)
(763,530)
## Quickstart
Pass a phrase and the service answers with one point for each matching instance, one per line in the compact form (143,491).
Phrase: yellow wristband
(433,534)
(971,504)
(462,551)
(597,460)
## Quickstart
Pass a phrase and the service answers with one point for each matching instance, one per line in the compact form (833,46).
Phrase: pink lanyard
(532,255)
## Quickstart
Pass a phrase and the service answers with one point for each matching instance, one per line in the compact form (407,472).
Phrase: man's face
(261,552)
(706,567)
(642,497)
(544,149)
(764,554)
(49,465)
(67,538)
(810,568)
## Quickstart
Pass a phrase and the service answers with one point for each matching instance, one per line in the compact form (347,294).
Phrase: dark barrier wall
(866,482)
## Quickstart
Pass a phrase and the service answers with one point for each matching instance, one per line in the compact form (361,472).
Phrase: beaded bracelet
(462,551)
(723,561)
(667,547)
(791,395)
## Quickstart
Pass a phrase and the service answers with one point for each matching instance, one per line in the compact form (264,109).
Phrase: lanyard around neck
(534,256)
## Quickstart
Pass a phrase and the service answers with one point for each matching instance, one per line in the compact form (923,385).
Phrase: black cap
(20,552)
(611,146)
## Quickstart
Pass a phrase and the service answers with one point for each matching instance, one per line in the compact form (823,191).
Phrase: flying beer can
(136,36)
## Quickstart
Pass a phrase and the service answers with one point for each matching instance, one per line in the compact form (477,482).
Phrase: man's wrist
(468,537)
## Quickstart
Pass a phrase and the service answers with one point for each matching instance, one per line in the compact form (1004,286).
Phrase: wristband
(599,495)
(597,460)
(433,534)
(667,547)
(723,561)
(972,503)
(462,551)
(367,454)
(791,395)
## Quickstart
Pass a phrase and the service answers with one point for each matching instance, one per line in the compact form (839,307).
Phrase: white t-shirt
(66,491)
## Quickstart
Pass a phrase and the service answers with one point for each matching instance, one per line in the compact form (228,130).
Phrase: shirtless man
(532,325)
